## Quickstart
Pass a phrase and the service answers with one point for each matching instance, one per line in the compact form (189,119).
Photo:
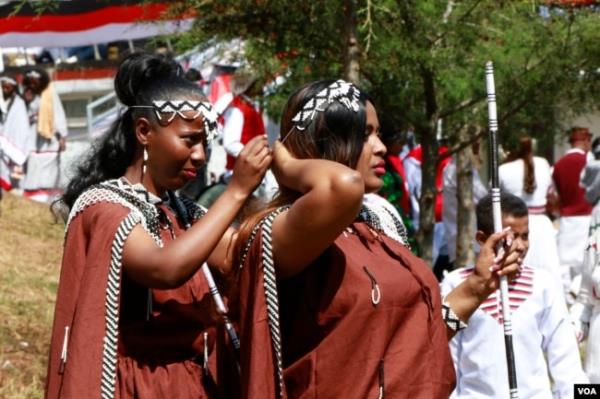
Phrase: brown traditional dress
(363,320)
(111,336)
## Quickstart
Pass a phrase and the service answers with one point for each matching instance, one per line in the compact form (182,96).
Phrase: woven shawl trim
(108,376)
(113,191)
(270,286)
(109,192)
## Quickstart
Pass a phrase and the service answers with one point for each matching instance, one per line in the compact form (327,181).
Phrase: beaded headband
(341,91)
(167,110)
(8,80)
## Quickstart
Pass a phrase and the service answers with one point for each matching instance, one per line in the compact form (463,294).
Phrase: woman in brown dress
(332,302)
(133,312)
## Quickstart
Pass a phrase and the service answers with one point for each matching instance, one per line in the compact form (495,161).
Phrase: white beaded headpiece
(167,110)
(341,91)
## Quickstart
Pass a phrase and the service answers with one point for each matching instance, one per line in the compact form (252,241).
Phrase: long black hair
(336,134)
(141,79)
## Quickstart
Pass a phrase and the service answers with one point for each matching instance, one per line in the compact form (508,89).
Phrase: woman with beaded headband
(133,312)
(332,302)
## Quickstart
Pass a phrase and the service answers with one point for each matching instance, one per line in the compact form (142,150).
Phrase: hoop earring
(144,162)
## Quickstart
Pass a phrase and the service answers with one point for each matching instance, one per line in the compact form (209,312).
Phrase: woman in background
(529,177)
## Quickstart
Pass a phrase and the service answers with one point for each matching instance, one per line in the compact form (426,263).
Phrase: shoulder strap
(270,285)
(111,305)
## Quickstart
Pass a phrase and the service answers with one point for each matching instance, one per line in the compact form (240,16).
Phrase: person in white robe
(47,139)
(545,348)
(14,131)
(529,177)
(586,309)
(450,204)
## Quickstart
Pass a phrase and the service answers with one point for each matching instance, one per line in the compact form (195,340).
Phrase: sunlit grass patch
(30,254)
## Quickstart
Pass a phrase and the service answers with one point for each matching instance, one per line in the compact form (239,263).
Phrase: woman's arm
(331,198)
(485,279)
(173,264)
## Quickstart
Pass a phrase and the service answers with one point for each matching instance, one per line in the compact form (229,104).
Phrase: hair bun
(139,70)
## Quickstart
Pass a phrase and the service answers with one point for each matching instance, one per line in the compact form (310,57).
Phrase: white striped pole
(497,212)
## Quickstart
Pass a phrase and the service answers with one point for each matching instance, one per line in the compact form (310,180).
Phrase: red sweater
(566,179)
(253,125)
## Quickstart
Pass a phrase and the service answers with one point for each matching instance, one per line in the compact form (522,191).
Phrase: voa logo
(587,391)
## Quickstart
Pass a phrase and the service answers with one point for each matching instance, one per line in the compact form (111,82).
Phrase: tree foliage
(424,60)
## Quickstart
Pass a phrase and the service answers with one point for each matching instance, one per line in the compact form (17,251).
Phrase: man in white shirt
(14,129)
(543,336)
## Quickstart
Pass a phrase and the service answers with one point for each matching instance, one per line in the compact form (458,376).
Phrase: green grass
(30,255)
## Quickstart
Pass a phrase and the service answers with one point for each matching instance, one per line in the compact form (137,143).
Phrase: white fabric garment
(232,143)
(13,139)
(412,168)
(511,176)
(44,162)
(589,298)
(232,131)
(572,238)
(543,250)
(541,329)
(450,204)
(15,130)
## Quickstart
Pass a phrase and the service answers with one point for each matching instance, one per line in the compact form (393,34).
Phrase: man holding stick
(543,337)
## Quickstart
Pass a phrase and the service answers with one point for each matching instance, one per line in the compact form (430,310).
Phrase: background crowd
(550,204)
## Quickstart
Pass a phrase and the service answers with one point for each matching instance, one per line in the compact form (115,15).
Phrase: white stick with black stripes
(497,212)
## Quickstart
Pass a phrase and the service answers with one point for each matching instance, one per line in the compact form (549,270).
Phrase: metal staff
(497,212)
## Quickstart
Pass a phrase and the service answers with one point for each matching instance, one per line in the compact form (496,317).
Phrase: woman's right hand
(251,165)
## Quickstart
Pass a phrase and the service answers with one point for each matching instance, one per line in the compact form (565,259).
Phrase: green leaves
(546,67)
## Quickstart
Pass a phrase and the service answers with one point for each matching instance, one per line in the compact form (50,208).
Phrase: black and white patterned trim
(249,243)
(117,192)
(194,211)
(382,220)
(113,289)
(173,108)
(341,91)
(451,319)
(144,213)
(270,285)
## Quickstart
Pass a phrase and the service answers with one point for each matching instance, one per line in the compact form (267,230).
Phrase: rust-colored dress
(104,344)
(337,340)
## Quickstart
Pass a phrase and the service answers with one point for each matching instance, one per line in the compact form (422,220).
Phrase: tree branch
(461,145)
(449,9)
